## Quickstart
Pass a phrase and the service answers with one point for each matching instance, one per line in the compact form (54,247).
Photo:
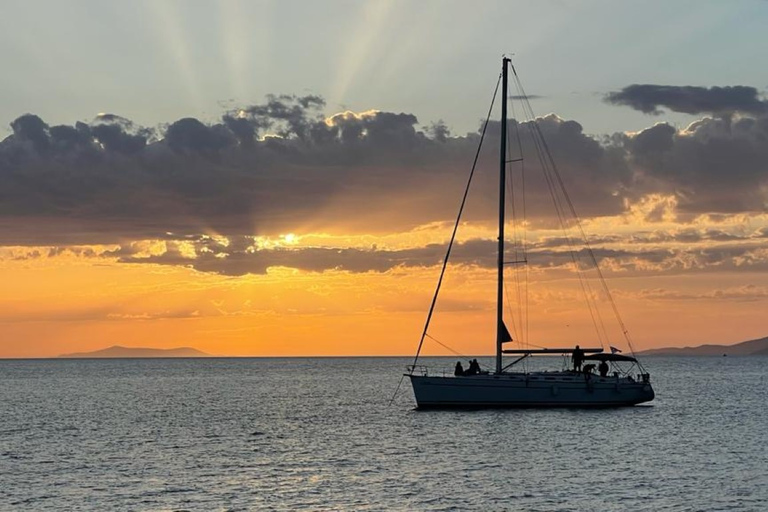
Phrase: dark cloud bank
(280,166)
(650,99)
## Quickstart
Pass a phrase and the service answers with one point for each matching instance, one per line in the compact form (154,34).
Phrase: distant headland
(117,352)
(757,347)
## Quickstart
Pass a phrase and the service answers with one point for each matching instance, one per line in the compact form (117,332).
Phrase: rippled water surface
(319,434)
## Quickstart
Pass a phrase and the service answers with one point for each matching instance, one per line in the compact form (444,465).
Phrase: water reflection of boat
(627,382)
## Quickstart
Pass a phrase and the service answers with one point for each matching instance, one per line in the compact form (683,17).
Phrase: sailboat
(508,386)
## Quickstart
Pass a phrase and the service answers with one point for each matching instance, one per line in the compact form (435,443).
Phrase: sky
(281,178)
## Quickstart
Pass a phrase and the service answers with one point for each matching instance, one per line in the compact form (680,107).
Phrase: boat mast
(500,329)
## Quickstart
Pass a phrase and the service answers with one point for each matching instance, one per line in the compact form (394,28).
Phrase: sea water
(321,434)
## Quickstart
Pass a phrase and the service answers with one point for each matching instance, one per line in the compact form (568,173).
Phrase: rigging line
(399,384)
(456,226)
(445,346)
(556,179)
(509,309)
(565,226)
(577,221)
(397,389)
(515,328)
(547,163)
(524,317)
(515,235)
(551,173)
(591,253)
(515,243)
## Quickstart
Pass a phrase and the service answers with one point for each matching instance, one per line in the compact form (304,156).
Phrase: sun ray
(234,46)
(373,19)
(167,17)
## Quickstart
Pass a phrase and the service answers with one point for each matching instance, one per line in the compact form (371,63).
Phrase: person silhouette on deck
(459,371)
(603,368)
(578,358)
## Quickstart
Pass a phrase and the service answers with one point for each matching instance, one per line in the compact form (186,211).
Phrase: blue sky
(157,61)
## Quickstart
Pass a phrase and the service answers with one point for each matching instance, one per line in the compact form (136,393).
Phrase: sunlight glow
(335,119)
(261,243)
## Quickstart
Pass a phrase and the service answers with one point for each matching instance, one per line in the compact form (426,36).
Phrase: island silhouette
(117,352)
(758,347)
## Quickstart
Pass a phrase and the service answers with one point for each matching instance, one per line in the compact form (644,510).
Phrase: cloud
(87,313)
(649,248)
(29,128)
(746,293)
(713,165)
(659,252)
(649,99)
(264,169)
(286,166)
(191,135)
(115,134)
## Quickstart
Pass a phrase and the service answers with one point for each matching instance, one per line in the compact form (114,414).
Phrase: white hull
(543,389)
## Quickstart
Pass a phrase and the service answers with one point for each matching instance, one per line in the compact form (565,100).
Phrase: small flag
(614,350)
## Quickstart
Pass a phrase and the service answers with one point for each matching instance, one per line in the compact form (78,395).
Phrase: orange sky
(74,302)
